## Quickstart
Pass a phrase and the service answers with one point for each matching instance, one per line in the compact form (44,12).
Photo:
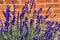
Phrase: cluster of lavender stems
(22,28)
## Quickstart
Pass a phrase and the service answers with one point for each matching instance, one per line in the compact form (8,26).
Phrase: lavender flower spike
(7,13)
(48,10)
(39,11)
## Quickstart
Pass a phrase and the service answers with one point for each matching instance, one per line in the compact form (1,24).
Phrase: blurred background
(44,4)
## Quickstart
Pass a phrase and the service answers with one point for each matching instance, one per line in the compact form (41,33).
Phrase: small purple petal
(11,31)
(31,22)
(48,10)
(35,38)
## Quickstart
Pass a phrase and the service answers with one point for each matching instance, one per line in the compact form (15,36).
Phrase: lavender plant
(22,28)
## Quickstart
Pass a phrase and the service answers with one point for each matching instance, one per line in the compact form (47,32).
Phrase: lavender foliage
(22,28)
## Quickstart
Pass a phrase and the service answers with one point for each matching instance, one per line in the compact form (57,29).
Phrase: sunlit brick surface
(1,2)
(44,1)
(39,6)
(19,6)
(55,6)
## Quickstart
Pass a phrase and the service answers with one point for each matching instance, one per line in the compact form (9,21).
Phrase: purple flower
(5,29)
(50,23)
(35,38)
(39,11)
(26,34)
(14,17)
(49,36)
(26,19)
(46,16)
(4,14)
(37,29)
(34,13)
(26,4)
(22,15)
(13,21)
(38,20)
(32,3)
(10,31)
(1,24)
(41,17)
(24,9)
(22,37)
(48,10)
(56,23)
(43,22)
(21,29)
(54,15)
(13,1)
(31,22)
(18,20)
(7,13)
(59,37)
(27,31)
(1,30)
(47,31)
(6,24)
(27,28)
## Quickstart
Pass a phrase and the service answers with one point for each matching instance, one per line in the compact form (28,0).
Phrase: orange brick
(39,6)
(48,1)
(44,11)
(57,1)
(18,10)
(19,6)
(40,1)
(51,16)
(16,1)
(3,7)
(1,15)
(23,1)
(56,5)
(49,5)
(57,11)
(57,16)
(10,1)
(1,1)
(44,1)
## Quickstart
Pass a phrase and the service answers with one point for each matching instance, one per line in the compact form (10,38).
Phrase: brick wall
(55,6)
